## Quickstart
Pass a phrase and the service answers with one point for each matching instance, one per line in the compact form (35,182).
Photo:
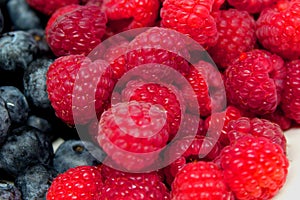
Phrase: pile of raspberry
(176,121)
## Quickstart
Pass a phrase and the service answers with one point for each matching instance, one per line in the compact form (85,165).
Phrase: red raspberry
(192,125)
(191,17)
(61,77)
(132,134)
(277,29)
(125,15)
(236,35)
(251,6)
(254,167)
(200,180)
(254,81)
(291,94)
(83,182)
(49,7)
(279,118)
(77,32)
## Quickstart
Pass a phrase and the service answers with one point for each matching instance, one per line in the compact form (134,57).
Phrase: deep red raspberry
(125,15)
(200,180)
(251,6)
(61,77)
(92,2)
(77,32)
(83,182)
(291,94)
(254,81)
(191,17)
(277,29)
(192,125)
(132,134)
(254,167)
(49,7)
(236,35)
(279,118)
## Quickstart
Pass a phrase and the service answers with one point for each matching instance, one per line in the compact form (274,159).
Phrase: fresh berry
(254,81)
(251,6)
(50,6)
(290,98)
(200,180)
(277,29)
(83,182)
(35,181)
(5,122)
(73,153)
(77,32)
(8,191)
(191,17)
(40,38)
(254,168)
(192,125)
(76,76)
(280,118)
(41,124)
(132,134)
(236,35)
(125,15)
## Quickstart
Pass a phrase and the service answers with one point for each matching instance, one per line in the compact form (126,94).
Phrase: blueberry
(74,153)
(22,16)
(25,146)
(34,80)
(39,123)
(40,38)
(17,50)
(1,21)
(8,191)
(4,122)
(35,181)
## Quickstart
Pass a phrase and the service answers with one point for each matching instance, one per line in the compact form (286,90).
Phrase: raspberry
(200,180)
(254,81)
(236,35)
(291,94)
(254,167)
(61,77)
(189,125)
(125,15)
(191,17)
(132,134)
(277,29)
(251,6)
(83,182)
(49,7)
(279,118)
(77,32)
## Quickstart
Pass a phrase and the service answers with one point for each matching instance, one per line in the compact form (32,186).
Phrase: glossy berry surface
(9,191)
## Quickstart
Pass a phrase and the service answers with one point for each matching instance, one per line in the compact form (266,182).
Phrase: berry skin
(5,122)
(191,17)
(236,35)
(50,6)
(61,78)
(291,94)
(277,29)
(200,180)
(251,6)
(254,167)
(254,81)
(132,134)
(9,191)
(279,118)
(83,182)
(77,32)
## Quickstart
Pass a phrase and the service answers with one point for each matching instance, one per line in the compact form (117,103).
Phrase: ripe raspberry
(61,77)
(251,6)
(125,15)
(279,118)
(77,32)
(200,180)
(254,167)
(83,182)
(132,134)
(254,81)
(277,29)
(290,98)
(49,7)
(236,35)
(192,125)
(191,17)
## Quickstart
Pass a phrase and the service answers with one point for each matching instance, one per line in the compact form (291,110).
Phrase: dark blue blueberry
(1,22)
(16,104)
(25,146)
(35,181)
(4,122)
(40,38)
(8,191)
(39,123)
(74,153)
(22,16)
(17,50)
